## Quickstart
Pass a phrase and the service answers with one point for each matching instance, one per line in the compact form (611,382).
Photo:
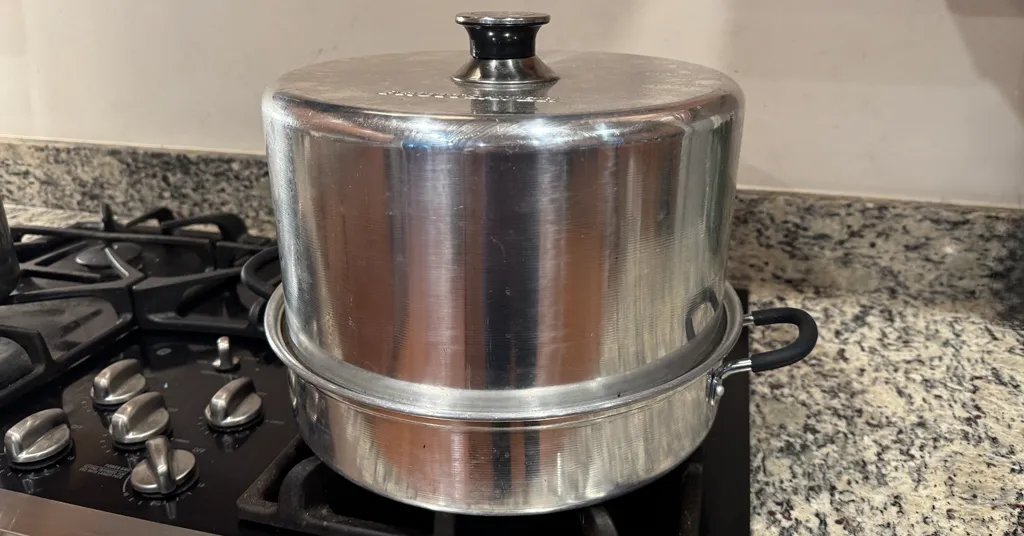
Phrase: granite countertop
(45,217)
(908,417)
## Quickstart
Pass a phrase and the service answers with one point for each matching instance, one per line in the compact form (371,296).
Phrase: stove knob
(234,406)
(118,383)
(226,361)
(165,471)
(139,419)
(39,439)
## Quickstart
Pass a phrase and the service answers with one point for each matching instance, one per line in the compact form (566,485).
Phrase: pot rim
(514,405)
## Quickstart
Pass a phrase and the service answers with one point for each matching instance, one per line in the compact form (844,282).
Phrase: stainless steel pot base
(502,467)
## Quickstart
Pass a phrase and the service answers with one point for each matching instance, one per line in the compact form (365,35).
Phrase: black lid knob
(502,35)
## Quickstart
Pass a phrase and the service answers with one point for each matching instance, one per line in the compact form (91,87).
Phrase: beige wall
(896,98)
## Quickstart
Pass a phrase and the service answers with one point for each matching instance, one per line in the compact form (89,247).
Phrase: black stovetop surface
(165,305)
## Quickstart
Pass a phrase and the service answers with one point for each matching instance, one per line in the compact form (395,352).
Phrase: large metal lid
(500,75)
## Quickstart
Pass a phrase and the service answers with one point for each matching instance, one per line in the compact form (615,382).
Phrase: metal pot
(515,266)
(481,234)
(9,269)
(525,456)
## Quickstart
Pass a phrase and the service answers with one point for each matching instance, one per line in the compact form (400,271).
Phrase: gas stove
(137,394)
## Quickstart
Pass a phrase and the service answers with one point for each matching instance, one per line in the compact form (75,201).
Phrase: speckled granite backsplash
(804,240)
(960,258)
(83,177)
(907,418)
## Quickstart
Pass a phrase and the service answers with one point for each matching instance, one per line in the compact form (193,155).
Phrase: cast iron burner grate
(85,286)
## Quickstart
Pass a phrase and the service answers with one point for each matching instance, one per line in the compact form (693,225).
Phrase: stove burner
(94,257)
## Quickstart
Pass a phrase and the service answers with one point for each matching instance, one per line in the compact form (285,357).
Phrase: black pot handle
(793,352)
(259,287)
(806,338)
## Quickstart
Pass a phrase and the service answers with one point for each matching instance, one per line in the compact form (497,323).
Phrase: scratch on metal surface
(504,258)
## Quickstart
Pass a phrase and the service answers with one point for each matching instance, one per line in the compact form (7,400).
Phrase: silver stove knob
(118,383)
(226,360)
(140,419)
(234,406)
(39,439)
(165,471)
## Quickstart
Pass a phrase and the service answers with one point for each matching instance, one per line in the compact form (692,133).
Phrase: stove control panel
(154,428)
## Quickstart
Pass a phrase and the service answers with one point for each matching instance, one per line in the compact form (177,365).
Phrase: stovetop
(162,291)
